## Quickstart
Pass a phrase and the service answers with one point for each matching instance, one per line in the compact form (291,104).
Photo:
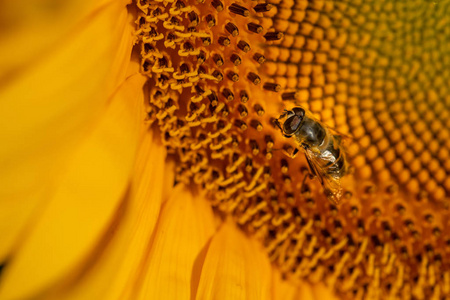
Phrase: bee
(323,149)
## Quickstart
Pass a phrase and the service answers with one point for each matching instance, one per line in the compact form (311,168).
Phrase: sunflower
(141,160)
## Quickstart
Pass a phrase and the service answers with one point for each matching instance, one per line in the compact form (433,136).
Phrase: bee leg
(305,188)
(289,153)
(278,124)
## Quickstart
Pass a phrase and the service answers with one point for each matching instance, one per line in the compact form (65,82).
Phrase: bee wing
(333,189)
(313,165)
(330,182)
(342,137)
(335,132)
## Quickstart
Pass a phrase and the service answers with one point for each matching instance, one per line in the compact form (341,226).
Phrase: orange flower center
(220,72)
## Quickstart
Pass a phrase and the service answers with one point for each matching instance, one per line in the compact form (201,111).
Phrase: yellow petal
(87,196)
(299,289)
(321,291)
(283,289)
(32,29)
(184,228)
(49,105)
(236,267)
(169,180)
(305,292)
(115,271)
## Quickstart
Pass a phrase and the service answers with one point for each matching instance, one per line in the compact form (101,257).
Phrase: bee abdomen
(338,166)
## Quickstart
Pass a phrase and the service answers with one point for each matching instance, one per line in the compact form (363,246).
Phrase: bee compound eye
(298,111)
(291,125)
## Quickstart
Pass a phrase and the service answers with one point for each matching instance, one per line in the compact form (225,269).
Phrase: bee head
(292,121)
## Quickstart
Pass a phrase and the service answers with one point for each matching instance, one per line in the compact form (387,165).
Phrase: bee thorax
(311,133)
